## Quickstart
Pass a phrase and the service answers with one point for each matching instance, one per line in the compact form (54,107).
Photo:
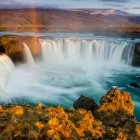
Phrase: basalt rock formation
(136,59)
(13,46)
(85,103)
(115,121)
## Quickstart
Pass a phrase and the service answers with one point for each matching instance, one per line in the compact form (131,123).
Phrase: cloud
(136,8)
(114,4)
(114,1)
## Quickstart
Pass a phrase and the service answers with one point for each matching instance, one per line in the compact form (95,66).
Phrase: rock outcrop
(13,46)
(116,113)
(115,121)
(136,58)
(135,85)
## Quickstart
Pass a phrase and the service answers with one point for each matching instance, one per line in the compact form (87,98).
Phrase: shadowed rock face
(85,103)
(13,46)
(115,121)
(2,49)
(136,59)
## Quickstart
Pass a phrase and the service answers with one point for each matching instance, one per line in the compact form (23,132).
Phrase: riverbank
(113,119)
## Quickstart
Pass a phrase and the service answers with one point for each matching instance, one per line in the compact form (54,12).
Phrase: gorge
(69,70)
(58,68)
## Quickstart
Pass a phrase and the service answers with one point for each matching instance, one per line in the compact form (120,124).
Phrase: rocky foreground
(112,120)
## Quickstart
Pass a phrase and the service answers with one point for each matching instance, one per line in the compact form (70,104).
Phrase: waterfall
(28,54)
(6,67)
(87,50)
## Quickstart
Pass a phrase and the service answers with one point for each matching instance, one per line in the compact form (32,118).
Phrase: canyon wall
(14,46)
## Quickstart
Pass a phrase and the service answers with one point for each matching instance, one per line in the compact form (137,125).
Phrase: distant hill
(73,20)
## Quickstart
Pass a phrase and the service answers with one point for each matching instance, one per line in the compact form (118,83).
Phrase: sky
(131,6)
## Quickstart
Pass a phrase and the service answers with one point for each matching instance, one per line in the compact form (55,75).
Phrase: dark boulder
(85,103)
(134,85)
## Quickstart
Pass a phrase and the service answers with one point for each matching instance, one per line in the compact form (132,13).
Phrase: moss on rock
(114,121)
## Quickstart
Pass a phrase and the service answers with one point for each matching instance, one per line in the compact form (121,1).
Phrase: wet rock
(136,57)
(17,57)
(2,49)
(137,45)
(85,103)
(135,85)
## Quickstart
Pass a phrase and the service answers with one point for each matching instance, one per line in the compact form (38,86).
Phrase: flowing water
(6,68)
(28,54)
(88,51)
(74,66)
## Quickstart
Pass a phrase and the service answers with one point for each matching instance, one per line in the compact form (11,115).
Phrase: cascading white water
(87,50)
(6,67)
(28,54)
